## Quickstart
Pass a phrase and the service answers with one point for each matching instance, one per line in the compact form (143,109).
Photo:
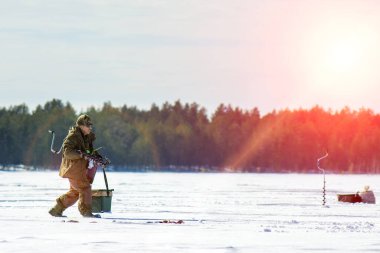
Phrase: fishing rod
(324,178)
(52,143)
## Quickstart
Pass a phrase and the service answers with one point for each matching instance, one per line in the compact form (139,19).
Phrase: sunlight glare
(343,55)
(340,58)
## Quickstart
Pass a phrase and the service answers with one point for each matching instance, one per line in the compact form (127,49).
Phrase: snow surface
(222,213)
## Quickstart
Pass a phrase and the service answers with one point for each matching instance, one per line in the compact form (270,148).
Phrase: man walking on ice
(74,167)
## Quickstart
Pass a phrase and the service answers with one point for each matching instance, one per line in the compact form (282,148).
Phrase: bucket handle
(105,180)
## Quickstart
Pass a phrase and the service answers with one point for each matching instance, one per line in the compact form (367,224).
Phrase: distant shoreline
(174,169)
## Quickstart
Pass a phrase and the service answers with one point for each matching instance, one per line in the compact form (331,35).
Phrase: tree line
(182,136)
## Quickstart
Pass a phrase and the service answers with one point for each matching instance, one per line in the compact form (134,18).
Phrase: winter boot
(57,210)
(91,215)
(86,211)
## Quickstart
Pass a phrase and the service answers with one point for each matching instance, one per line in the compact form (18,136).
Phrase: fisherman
(367,196)
(74,167)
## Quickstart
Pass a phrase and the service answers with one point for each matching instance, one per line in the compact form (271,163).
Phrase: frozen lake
(222,213)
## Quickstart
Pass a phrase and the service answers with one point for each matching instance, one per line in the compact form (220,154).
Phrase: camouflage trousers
(81,190)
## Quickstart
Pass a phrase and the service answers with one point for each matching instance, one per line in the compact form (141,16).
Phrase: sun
(339,59)
(343,55)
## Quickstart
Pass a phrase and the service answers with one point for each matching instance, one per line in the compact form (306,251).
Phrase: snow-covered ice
(222,213)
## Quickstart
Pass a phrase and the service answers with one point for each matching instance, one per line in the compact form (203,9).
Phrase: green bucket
(101,201)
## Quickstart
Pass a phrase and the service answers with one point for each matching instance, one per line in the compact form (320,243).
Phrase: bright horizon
(265,54)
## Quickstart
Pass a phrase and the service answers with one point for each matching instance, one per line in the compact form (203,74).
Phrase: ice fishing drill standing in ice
(74,166)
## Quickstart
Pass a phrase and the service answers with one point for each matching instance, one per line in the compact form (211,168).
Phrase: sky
(272,54)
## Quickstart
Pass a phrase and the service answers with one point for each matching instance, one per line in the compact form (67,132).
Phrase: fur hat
(84,120)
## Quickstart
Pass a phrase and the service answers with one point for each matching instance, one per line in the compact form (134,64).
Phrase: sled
(350,198)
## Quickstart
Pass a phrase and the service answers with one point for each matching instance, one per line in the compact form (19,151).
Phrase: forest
(184,137)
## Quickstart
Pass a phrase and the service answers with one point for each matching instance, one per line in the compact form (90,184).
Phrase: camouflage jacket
(73,165)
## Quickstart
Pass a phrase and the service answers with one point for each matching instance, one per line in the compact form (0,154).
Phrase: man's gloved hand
(83,155)
(97,159)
